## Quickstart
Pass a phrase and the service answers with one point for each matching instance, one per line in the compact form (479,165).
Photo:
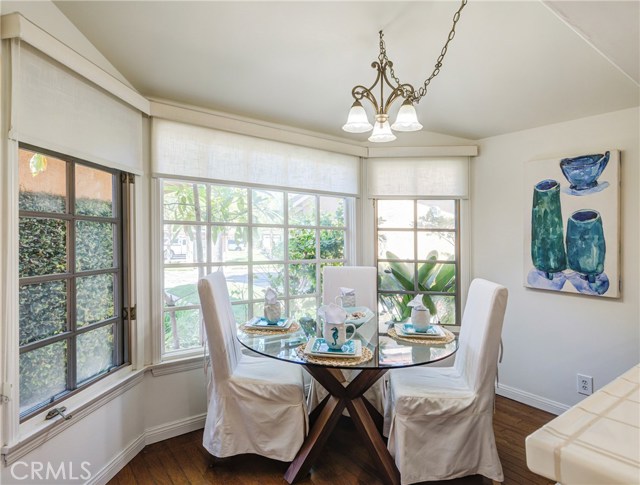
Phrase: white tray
(333,353)
(400,330)
(262,324)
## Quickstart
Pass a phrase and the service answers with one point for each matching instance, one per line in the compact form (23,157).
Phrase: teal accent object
(334,336)
(308,325)
(547,236)
(586,247)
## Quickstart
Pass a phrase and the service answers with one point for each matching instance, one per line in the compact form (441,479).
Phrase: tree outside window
(259,238)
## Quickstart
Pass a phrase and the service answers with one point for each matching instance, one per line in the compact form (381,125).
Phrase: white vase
(420,318)
(272,312)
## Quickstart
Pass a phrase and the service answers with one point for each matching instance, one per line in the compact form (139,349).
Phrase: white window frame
(21,437)
(415,230)
(158,222)
(368,256)
(367,211)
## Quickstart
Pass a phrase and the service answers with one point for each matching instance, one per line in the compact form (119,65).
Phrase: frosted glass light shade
(382,133)
(357,121)
(407,119)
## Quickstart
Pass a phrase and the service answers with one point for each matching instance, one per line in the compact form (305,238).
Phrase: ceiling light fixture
(407,119)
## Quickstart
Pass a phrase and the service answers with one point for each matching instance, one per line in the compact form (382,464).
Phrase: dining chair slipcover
(256,404)
(363,280)
(440,419)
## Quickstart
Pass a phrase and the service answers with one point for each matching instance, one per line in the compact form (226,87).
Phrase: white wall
(161,404)
(155,409)
(48,17)
(550,337)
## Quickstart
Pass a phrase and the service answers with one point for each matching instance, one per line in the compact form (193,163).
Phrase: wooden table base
(324,418)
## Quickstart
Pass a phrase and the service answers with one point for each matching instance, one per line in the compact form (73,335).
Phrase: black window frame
(119,322)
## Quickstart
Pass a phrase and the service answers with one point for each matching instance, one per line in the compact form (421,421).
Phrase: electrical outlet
(585,385)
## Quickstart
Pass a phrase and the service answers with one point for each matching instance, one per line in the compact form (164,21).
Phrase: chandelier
(407,119)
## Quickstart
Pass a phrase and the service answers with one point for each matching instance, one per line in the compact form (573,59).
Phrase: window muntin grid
(259,237)
(55,364)
(407,231)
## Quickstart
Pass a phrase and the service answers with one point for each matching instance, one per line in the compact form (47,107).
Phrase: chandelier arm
(359,92)
(395,94)
(400,90)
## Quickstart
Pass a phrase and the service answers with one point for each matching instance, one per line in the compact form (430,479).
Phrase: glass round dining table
(387,350)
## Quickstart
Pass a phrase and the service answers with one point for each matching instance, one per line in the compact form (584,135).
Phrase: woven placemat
(295,326)
(449,337)
(366,356)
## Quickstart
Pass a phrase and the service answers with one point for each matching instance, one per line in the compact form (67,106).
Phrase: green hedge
(43,306)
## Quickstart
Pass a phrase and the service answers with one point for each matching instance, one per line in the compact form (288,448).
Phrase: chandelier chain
(407,92)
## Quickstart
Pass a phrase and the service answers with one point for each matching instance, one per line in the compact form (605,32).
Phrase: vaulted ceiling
(512,65)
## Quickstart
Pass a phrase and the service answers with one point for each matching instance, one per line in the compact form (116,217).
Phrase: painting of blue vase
(586,251)
(547,237)
(571,224)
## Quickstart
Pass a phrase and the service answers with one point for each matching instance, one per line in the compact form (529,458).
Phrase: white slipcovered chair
(440,419)
(256,404)
(360,278)
(363,280)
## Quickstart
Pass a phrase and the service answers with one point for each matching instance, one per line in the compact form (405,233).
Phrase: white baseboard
(151,435)
(176,428)
(531,399)
(118,462)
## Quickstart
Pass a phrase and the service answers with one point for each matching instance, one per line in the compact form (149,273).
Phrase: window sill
(184,363)
(36,430)
(181,355)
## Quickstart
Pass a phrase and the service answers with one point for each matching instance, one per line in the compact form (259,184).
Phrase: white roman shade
(183,150)
(59,110)
(445,177)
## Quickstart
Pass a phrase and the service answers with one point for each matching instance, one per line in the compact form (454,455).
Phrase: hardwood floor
(183,460)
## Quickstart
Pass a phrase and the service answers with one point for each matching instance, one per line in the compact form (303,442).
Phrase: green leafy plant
(432,277)
(302,246)
(43,306)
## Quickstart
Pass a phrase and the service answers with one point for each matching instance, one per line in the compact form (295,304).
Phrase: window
(260,238)
(71,328)
(418,252)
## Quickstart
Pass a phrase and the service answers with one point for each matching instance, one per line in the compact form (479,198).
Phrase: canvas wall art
(572,224)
